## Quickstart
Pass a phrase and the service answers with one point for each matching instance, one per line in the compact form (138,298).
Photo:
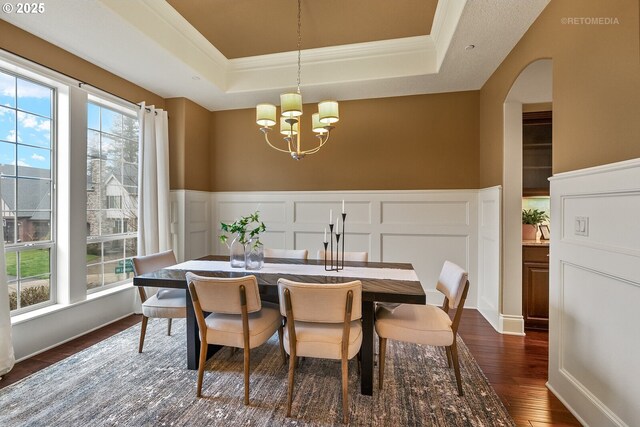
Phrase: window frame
(125,236)
(21,73)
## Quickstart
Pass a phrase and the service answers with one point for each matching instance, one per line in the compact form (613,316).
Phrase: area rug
(110,384)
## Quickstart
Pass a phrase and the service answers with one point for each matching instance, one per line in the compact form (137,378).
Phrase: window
(114,202)
(27,153)
(112,193)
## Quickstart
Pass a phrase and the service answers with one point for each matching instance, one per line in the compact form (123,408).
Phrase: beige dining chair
(286,253)
(164,303)
(348,256)
(322,321)
(238,318)
(427,324)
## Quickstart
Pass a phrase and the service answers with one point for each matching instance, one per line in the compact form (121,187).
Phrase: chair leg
(383,351)
(203,360)
(358,360)
(169,326)
(456,366)
(143,331)
(345,389)
(280,340)
(448,350)
(232,351)
(247,357)
(292,372)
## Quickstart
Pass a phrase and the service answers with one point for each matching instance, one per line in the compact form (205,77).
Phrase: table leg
(193,338)
(366,373)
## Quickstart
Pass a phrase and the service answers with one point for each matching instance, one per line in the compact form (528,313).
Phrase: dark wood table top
(382,290)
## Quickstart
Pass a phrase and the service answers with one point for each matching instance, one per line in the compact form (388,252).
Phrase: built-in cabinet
(535,286)
(536,153)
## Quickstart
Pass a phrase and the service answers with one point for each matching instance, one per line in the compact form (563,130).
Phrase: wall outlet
(581,226)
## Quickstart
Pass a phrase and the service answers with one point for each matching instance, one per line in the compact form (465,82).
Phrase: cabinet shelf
(536,152)
(536,145)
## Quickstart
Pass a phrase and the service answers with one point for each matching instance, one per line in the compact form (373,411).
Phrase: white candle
(342,206)
(338,226)
(325,234)
(330,216)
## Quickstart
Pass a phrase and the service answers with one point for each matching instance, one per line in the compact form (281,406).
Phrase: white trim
(611,167)
(72,338)
(566,404)
(511,325)
(26,317)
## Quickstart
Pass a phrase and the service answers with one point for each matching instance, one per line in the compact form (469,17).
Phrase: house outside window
(112,194)
(27,178)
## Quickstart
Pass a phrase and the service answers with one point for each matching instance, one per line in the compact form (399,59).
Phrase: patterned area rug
(110,384)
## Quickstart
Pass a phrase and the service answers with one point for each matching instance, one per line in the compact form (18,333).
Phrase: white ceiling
(149,43)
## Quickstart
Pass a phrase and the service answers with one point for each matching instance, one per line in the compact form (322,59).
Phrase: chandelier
(291,112)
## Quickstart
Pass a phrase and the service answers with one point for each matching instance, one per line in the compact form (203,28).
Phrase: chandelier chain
(299,40)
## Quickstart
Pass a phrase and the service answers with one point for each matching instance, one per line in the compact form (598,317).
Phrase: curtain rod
(80,82)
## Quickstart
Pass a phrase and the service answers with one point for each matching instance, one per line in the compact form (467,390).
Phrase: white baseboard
(511,325)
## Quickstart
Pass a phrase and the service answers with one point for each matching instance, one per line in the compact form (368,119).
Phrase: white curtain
(153,181)
(7,358)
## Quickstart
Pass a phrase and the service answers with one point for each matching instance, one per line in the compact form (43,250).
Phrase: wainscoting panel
(424,228)
(420,227)
(489,208)
(594,339)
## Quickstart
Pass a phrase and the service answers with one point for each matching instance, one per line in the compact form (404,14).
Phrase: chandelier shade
(328,111)
(266,114)
(291,104)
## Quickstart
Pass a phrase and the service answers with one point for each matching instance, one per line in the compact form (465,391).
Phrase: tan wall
(596,87)
(189,163)
(411,142)
(26,45)
(540,106)
(177,143)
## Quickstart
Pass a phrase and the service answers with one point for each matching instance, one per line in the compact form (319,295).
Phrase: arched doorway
(533,85)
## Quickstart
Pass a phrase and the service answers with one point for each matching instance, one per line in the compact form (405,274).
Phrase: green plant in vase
(531,219)
(246,230)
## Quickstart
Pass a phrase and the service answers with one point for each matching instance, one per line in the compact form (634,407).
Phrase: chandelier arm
(266,138)
(316,149)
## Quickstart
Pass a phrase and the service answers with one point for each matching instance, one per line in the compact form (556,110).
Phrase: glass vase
(236,253)
(254,255)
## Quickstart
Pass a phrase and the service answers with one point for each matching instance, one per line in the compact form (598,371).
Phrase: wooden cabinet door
(535,292)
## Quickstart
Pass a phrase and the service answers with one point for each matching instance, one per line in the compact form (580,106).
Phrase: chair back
(148,263)
(286,253)
(222,295)
(452,283)
(321,303)
(348,256)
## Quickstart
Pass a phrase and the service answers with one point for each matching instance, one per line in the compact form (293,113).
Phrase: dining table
(382,282)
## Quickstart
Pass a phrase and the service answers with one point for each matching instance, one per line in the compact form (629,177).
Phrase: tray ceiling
(242,28)
(347,53)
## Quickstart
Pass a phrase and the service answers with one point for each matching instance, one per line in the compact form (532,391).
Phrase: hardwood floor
(516,367)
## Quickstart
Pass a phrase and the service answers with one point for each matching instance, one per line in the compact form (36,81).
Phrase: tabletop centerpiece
(328,245)
(246,249)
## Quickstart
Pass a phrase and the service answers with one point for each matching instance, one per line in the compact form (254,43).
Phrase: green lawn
(33,263)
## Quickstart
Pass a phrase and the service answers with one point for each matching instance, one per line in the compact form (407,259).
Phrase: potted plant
(246,242)
(531,219)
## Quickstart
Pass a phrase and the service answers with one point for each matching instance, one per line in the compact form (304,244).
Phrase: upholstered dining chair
(427,324)
(238,318)
(286,253)
(322,321)
(348,256)
(164,303)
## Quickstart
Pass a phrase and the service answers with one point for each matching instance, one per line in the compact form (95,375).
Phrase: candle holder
(339,260)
